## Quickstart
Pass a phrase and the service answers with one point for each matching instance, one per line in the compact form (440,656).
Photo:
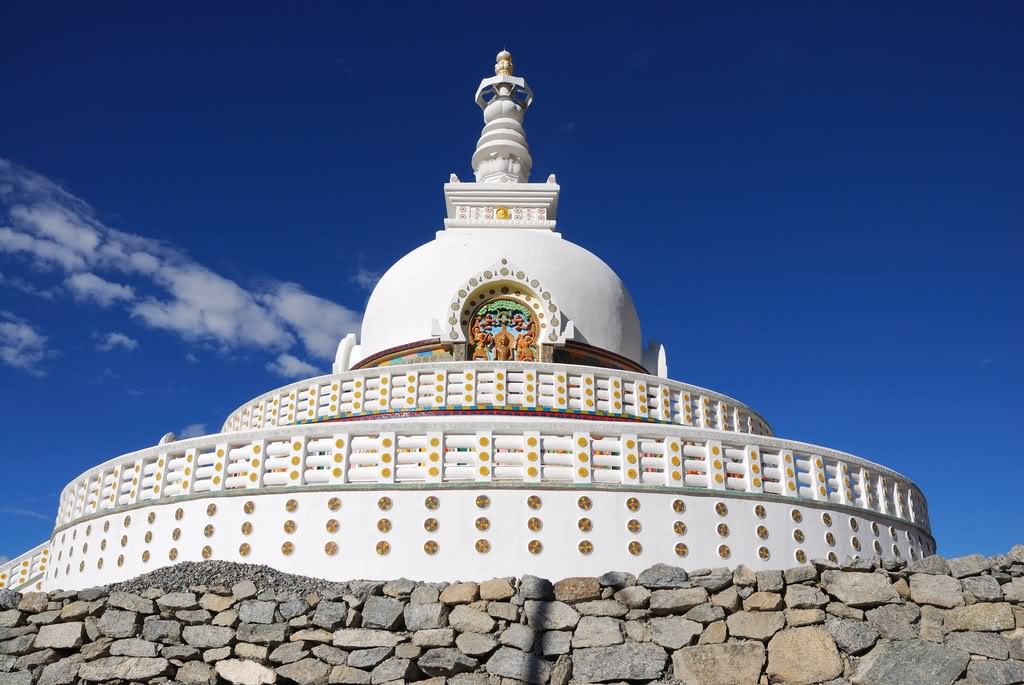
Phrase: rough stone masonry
(929,622)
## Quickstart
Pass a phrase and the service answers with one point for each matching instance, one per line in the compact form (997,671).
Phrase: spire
(502,155)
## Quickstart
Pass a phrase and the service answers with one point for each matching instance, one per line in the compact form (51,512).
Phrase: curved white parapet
(25,572)
(657,493)
(520,388)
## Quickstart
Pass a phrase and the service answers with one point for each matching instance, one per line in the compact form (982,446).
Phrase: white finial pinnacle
(502,155)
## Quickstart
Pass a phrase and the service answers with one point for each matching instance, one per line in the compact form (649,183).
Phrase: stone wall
(932,622)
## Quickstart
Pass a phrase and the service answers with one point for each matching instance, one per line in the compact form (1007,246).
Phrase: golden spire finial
(503,67)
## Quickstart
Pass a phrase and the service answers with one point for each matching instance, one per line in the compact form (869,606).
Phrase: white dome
(415,294)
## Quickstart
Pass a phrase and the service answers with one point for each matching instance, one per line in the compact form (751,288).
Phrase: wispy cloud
(21,345)
(15,511)
(159,284)
(192,430)
(113,340)
(90,287)
(290,367)
(365,278)
(21,285)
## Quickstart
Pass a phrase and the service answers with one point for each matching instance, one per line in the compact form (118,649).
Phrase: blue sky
(818,208)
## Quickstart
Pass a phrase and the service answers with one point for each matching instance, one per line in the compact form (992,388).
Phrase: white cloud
(191,358)
(365,278)
(159,284)
(192,430)
(113,340)
(290,367)
(24,286)
(87,286)
(15,511)
(21,345)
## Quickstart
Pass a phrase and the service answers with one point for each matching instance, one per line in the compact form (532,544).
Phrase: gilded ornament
(534,524)
(721,509)
(482,546)
(384,503)
(430,547)
(207,552)
(724,551)
(801,556)
(763,553)
(535,546)
(332,525)
(291,505)
(244,549)
(482,523)
(331,548)
(172,555)
(533,501)
(175,534)
(679,528)
(722,529)
(384,525)
(246,528)
(633,526)
(208,531)
(150,518)
(211,509)
(635,548)
(633,504)
(287,548)
(483,501)
(431,502)
(678,506)
(584,503)
(796,516)
(681,549)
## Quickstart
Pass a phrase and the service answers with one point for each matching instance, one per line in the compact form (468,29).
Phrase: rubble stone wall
(930,622)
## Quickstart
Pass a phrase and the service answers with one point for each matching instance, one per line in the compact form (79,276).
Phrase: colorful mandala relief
(504,330)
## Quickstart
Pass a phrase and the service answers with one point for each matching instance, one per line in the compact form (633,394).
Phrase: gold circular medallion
(533,502)
(798,535)
(763,553)
(145,555)
(633,504)
(534,524)
(762,532)
(585,525)
(207,552)
(172,555)
(681,549)
(482,523)
(584,503)
(430,547)
(760,512)
(149,518)
(247,528)
(175,534)
(384,525)
(678,506)
(535,546)
(585,547)
(249,507)
(856,543)
(331,548)
(679,528)
(384,503)
(800,556)
(291,505)
(633,526)
(287,548)
(332,525)
(721,509)
(722,529)
(796,516)
(724,551)
(211,509)
(431,502)
(830,539)
(482,546)
(244,549)
(854,525)
(430,525)
(120,560)
(635,548)
(289,526)
(826,518)
(334,504)
(208,531)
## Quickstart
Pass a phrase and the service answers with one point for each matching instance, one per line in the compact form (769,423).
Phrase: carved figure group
(503,345)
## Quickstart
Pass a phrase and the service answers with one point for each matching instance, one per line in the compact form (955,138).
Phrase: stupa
(497,415)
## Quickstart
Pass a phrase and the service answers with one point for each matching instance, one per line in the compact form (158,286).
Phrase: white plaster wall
(457,557)
(421,285)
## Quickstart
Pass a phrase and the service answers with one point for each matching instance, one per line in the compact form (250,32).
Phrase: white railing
(514,386)
(486,449)
(21,573)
